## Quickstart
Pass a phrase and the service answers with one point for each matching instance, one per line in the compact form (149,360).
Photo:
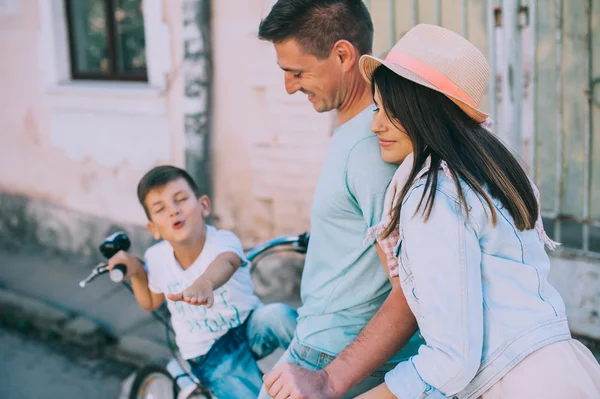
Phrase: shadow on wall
(38,226)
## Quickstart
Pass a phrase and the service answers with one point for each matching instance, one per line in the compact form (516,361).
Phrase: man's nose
(291,84)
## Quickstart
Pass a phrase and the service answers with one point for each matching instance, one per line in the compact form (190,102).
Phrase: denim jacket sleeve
(443,257)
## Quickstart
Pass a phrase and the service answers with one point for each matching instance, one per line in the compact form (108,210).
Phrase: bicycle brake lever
(100,269)
(303,240)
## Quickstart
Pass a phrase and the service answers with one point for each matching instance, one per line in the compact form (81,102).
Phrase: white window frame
(55,60)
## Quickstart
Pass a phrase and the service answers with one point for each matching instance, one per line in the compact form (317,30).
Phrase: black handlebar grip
(117,274)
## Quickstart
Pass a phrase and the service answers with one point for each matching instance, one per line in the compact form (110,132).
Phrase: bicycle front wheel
(153,382)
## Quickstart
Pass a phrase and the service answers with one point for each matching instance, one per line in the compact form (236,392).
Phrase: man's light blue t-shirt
(344,283)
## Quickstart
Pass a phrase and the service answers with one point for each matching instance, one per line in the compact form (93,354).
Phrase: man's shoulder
(365,156)
(367,145)
(357,128)
(361,148)
(362,145)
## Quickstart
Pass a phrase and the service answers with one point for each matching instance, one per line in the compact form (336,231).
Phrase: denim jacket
(479,293)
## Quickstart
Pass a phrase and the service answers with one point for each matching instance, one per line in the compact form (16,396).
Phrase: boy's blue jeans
(229,369)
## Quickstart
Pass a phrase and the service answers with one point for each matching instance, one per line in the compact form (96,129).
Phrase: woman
(462,230)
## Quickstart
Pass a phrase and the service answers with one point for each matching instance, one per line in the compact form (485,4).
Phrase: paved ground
(52,281)
(48,285)
(35,368)
(43,289)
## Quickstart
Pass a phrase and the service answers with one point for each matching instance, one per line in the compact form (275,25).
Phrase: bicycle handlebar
(299,241)
(116,274)
(119,271)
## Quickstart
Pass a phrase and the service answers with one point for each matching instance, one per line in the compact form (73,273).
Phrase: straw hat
(441,60)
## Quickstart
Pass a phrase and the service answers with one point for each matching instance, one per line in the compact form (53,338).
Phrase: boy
(221,327)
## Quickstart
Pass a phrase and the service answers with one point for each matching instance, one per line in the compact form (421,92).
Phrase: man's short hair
(318,24)
(160,176)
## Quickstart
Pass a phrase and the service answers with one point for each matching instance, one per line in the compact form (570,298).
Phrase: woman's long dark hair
(439,129)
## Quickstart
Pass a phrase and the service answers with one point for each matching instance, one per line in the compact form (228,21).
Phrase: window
(106,39)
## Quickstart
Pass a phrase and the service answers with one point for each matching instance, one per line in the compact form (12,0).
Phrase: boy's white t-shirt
(197,327)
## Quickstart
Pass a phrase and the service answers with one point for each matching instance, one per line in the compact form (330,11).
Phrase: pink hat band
(431,75)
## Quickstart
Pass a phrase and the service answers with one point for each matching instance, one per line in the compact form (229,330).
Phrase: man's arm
(393,324)
(147,299)
(386,333)
(217,273)
(367,178)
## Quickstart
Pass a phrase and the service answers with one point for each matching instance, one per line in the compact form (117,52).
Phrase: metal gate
(543,94)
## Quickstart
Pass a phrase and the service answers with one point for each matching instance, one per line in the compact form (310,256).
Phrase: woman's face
(393,140)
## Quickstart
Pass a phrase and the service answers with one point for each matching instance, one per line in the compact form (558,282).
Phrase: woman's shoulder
(445,185)
(447,195)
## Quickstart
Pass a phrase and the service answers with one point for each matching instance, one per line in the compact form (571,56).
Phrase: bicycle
(175,380)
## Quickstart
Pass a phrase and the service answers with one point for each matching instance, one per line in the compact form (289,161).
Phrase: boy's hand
(199,293)
(133,264)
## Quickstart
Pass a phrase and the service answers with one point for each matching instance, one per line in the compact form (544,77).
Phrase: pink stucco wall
(79,145)
(268,147)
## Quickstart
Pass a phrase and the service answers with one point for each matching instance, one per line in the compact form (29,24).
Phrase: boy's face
(176,215)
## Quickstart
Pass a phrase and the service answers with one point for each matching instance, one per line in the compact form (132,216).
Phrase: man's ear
(152,229)
(204,202)
(345,52)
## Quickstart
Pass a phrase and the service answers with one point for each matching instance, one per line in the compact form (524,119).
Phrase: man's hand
(199,293)
(133,264)
(293,382)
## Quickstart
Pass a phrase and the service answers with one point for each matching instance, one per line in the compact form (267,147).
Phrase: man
(353,320)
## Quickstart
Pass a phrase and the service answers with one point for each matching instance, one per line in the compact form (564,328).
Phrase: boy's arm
(221,269)
(147,299)
(217,273)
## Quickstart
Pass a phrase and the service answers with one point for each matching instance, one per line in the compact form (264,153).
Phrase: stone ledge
(27,224)
(44,313)
(41,318)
